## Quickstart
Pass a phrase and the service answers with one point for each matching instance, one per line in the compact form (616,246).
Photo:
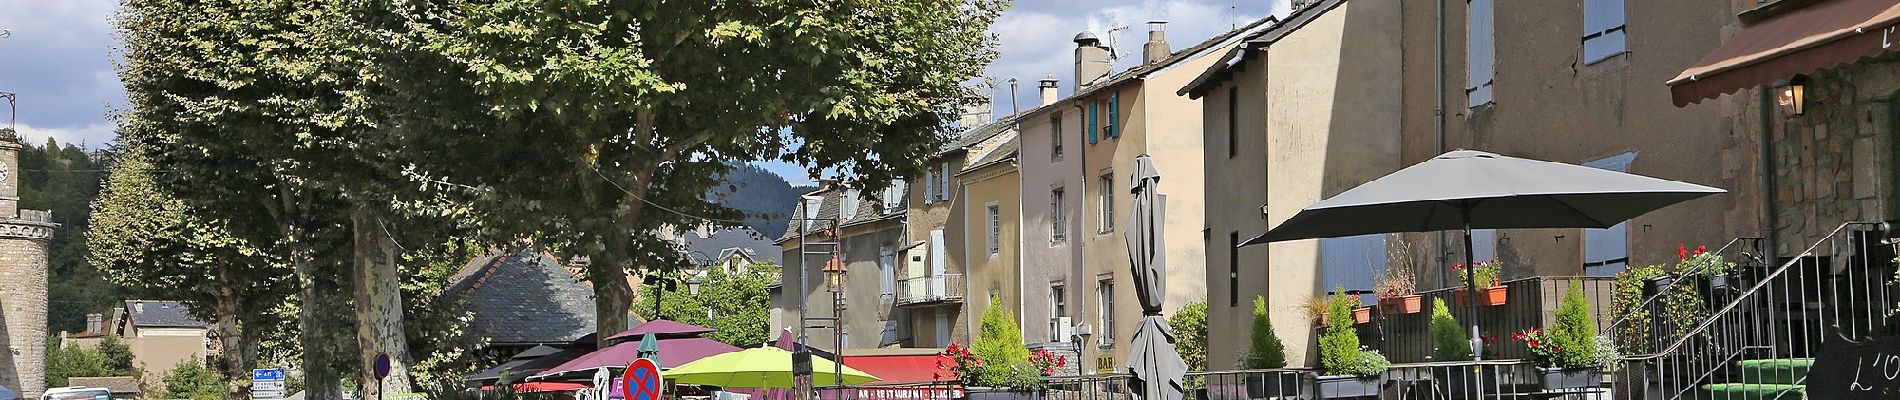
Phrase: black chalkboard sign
(1856,369)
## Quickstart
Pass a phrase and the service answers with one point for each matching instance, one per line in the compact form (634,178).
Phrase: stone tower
(23,242)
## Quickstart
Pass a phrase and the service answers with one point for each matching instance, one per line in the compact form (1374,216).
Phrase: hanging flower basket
(1408,304)
(1491,296)
(1362,315)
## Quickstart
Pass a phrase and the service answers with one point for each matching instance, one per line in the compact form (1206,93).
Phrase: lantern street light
(1791,96)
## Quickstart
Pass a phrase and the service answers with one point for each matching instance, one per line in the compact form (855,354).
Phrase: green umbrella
(761,367)
(650,348)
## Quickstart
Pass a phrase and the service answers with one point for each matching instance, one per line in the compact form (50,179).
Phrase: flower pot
(1468,382)
(1408,304)
(1349,386)
(1719,282)
(1463,297)
(1495,295)
(1362,315)
(1272,384)
(1655,286)
(1570,378)
(999,393)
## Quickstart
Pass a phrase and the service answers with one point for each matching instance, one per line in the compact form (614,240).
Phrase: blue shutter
(1092,120)
(1114,109)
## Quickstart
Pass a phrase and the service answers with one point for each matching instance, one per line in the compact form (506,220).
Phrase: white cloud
(93,135)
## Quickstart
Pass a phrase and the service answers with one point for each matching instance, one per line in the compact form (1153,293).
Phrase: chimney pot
(1091,59)
(1157,47)
(1047,87)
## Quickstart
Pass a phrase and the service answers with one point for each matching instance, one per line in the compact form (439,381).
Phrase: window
(1107,194)
(1233,269)
(1352,261)
(887,271)
(1105,295)
(994,236)
(1094,120)
(1606,251)
(1114,109)
(943,184)
(1055,138)
(1603,25)
(930,184)
(1480,54)
(1058,309)
(849,209)
(1233,127)
(894,196)
(1059,216)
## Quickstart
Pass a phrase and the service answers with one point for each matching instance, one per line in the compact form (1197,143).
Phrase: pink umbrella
(676,351)
(661,329)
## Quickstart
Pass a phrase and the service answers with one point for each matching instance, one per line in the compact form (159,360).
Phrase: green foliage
(110,358)
(1190,334)
(999,345)
(1339,349)
(64,179)
(191,380)
(1264,349)
(1575,330)
(738,302)
(1448,337)
(1626,300)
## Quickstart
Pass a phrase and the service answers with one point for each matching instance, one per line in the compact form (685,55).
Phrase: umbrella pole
(1471,284)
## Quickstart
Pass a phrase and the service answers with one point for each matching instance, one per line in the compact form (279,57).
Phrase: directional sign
(267,384)
(642,380)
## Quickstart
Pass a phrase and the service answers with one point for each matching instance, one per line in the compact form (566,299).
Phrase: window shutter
(1114,110)
(1480,54)
(1093,120)
(1603,29)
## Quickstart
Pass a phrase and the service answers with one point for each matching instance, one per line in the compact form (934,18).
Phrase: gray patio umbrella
(1466,189)
(1157,368)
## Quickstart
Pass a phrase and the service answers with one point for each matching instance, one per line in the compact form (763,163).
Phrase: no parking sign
(642,380)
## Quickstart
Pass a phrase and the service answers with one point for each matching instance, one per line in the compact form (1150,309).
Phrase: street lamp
(835,279)
(834,275)
(1791,96)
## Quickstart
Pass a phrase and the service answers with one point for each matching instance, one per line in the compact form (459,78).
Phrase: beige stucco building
(162,335)
(1299,112)
(1077,154)
(992,232)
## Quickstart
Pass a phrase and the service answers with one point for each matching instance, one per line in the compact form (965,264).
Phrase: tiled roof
(1003,152)
(524,297)
(161,314)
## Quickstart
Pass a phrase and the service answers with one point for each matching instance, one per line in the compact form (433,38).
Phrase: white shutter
(1480,51)
(1603,29)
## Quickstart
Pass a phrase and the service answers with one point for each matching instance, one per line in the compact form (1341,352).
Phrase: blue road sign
(272,374)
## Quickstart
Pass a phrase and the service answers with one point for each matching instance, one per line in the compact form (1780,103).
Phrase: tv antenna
(1114,54)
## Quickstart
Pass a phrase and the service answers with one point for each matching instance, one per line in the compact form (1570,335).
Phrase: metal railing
(1744,252)
(931,390)
(1088,387)
(1529,302)
(1840,286)
(929,289)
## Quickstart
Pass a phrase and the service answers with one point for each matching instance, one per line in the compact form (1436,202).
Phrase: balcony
(945,288)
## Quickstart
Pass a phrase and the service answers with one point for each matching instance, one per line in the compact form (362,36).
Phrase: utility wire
(603,176)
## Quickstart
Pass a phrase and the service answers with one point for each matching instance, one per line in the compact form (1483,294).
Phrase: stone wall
(1834,163)
(23,307)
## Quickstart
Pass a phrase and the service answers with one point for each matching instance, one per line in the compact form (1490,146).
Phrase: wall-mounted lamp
(1791,96)
(835,274)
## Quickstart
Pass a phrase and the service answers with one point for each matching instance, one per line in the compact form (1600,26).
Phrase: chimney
(138,306)
(1157,47)
(95,324)
(975,115)
(1048,89)
(1091,59)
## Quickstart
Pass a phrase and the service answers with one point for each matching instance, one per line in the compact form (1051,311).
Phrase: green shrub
(1264,350)
(191,380)
(1190,334)
(999,344)
(1447,335)
(1339,345)
(1575,332)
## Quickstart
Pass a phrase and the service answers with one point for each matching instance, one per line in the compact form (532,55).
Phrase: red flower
(1682,251)
(1701,249)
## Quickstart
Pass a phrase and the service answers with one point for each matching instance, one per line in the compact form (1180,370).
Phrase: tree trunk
(231,354)
(613,297)
(378,288)
(314,327)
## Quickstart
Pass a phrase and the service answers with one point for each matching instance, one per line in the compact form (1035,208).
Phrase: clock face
(5,171)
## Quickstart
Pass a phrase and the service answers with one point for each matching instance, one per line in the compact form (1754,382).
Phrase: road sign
(382,365)
(267,384)
(642,380)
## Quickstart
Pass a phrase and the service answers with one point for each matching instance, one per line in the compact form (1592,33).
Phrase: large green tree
(737,304)
(592,124)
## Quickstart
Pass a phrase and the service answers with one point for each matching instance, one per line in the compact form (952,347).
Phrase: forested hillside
(764,196)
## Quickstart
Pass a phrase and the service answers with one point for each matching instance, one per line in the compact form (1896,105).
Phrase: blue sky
(60,53)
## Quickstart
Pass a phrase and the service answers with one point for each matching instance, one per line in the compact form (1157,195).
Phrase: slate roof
(725,241)
(1005,152)
(831,201)
(113,384)
(524,297)
(974,136)
(1237,59)
(161,314)
(1142,71)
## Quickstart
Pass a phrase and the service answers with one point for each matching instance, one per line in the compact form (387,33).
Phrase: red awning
(1814,36)
(897,368)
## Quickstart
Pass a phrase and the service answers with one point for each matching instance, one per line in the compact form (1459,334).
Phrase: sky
(58,55)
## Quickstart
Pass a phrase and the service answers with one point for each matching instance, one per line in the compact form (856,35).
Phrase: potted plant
(998,366)
(1351,371)
(1396,290)
(1264,351)
(1453,344)
(1362,315)
(1483,278)
(1566,355)
(1315,308)
(1720,272)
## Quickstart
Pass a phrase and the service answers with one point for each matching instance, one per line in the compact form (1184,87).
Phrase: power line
(603,176)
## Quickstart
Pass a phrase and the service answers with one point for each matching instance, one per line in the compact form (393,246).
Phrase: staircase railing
(1744,250)
(1838,285)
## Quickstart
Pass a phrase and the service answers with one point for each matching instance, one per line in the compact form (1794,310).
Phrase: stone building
(23,240)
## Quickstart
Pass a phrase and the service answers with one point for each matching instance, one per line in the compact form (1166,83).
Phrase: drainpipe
(1076,241)
(1438,118)
(1767,170)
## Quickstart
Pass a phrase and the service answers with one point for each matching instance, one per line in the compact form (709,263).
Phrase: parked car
(77,393)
